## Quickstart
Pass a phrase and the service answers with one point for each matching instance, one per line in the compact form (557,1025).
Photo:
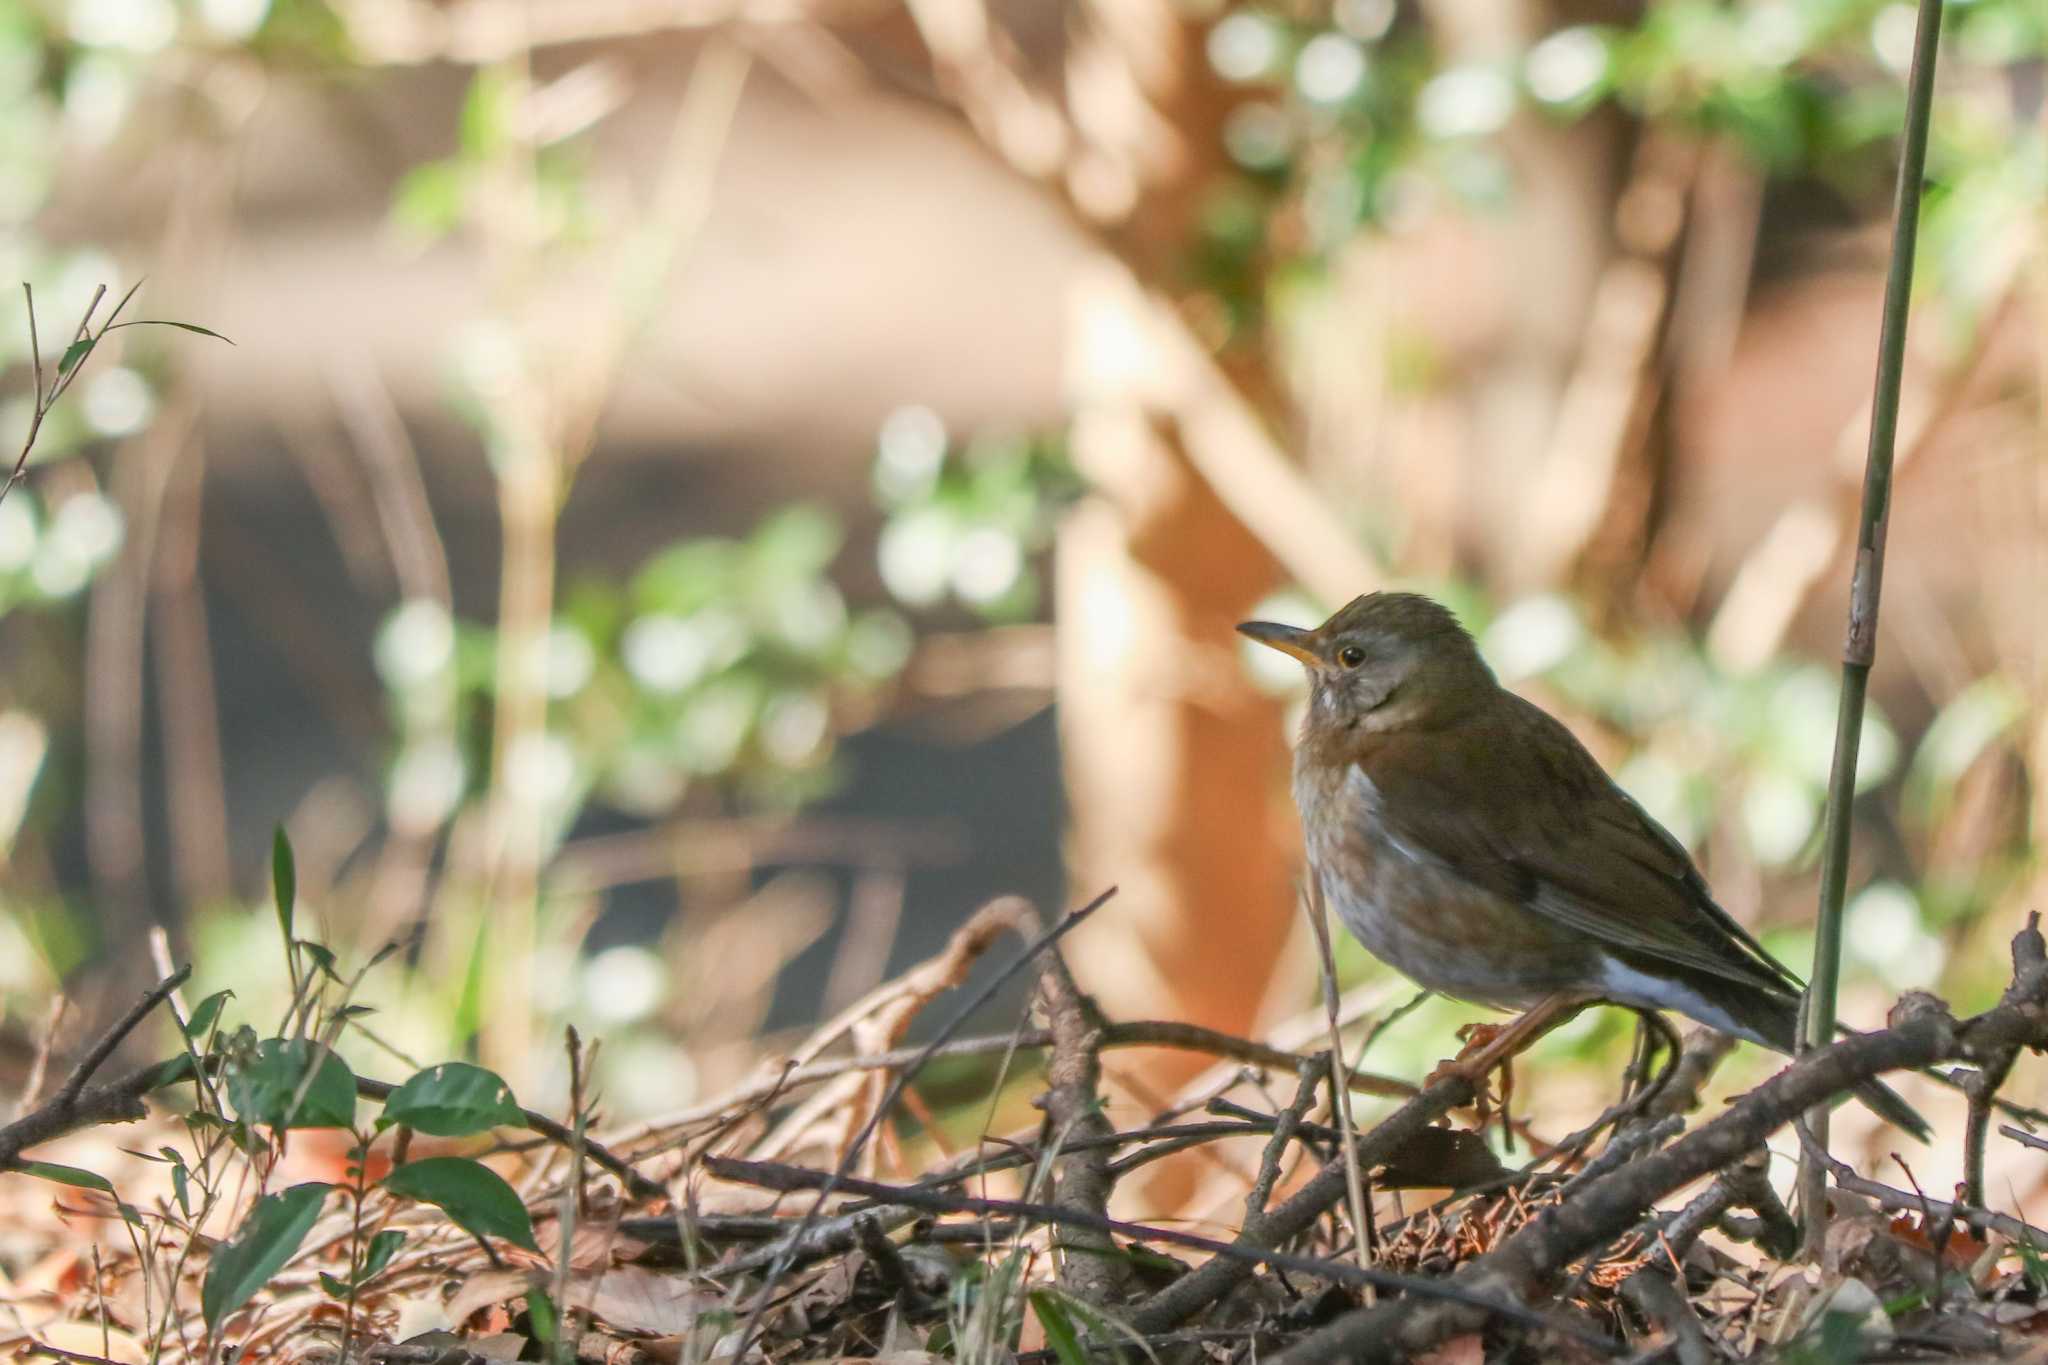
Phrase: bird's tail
(1773,1020)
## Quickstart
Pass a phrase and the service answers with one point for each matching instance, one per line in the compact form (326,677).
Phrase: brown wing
(1549,830)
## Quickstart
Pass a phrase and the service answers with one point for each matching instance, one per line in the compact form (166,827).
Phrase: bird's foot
(1488,1046)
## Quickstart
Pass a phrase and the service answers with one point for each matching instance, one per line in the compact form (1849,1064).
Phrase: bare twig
(1190,1294)
(775,1176)
(1340,1091)
(1981,1087)
(1307,1076)
(1651,1292)
(1091,1268)
(75,1105)
(638,1185)
(1920,1032)
(780,1267)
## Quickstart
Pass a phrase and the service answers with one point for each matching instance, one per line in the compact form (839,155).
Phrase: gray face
(1386,661)
(1359,677)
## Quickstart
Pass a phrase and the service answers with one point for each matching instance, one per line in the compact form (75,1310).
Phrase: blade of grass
(1340,1079)
(1859,649)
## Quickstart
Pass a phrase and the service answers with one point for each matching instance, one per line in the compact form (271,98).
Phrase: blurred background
(706,492)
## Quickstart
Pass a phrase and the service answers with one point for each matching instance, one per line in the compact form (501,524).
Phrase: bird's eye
(1351,656)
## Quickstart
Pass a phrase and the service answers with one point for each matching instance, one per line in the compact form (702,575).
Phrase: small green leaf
(323,958)
(1060,1333)
(267,1239)
(66,1175)
(383,1247)
(74,353)
(182,326)
(204,1015)
(263,1084)
(284,882)
(454,1099)
(541,1309)
(473,1194)
(181,1187)
(169,1072)
(378,1255)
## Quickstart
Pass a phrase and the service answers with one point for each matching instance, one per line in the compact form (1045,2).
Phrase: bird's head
(1387,661)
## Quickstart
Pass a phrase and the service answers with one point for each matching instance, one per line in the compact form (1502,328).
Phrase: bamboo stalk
(1859,649)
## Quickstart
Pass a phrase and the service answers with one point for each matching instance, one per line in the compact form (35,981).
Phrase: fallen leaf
(487,1289)
(1440,1159)
(1962,1248)
(84,1338)
(634,1299)
(1469,1349)
(497,1346)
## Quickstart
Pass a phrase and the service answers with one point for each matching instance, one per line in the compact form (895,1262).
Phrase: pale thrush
(1469,840)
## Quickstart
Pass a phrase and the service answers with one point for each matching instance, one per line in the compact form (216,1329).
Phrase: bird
(1470,841)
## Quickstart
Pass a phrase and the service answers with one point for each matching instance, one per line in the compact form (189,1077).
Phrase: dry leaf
(84,1338)
(1962,1248)
(1440,1158)
(487,1289)
(634,1299)
(1469,1349)
(497,1346)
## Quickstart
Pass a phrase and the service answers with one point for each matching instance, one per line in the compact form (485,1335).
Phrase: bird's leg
(1651,1022)
(1518,1035)
(1636,1073)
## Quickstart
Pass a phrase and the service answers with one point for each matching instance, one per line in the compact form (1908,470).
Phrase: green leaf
(182,326)
(181,1187)
(267,1239)
(541,1308)
(169,1072)
(323,958)
(381,1249)
(204,1016)
(284,881)
(66,1175)
(263,1084)
(74,353)
(1060,1333)
(454,1099)
(473,1194)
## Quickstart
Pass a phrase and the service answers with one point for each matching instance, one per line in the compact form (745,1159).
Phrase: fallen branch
(1190,1294)
(772,1175)
(1137,1033)
(778,1268)
(1920,1032)
(77,1105)
(1090,1267)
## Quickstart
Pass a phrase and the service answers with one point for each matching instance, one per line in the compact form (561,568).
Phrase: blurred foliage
(718,661)
(1356,123)
(966,523)
(722,674)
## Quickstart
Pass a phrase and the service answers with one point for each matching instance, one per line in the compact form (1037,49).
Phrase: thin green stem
(1859,650)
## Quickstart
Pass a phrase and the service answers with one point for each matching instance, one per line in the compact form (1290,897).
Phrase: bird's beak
(1287,639)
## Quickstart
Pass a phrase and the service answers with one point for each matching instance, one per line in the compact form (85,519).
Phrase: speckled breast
(1416,914)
